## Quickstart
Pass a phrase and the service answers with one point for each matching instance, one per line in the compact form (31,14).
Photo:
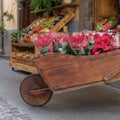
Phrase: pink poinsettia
(59,38)
(78,42)
(90,38)
(44,41)
(83,43)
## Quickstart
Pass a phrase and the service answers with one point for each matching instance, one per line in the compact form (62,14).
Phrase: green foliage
(8,15)
(15,37)
(2,28)
(64,49)
(56,2)
(44,4)
(86,51)
(45,50)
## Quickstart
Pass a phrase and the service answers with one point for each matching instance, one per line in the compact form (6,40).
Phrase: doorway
(25,15)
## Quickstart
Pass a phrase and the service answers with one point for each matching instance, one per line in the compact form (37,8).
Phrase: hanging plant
(44,4)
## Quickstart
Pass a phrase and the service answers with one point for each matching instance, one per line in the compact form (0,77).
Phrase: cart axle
(39,91)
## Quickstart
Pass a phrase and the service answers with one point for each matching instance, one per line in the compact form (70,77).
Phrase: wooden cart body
(63,73)
(67,71)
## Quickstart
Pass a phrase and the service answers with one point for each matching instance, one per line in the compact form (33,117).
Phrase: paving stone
(93,103)
(10,112)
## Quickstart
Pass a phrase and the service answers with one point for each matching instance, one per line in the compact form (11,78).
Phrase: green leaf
(75,52)
(45,50)
(82,52)
(44,4)
(69,50)
(8,15)
(55,48)
(65,49)
(90,47)
(98,27)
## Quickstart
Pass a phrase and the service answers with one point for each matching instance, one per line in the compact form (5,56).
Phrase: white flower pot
(67,1)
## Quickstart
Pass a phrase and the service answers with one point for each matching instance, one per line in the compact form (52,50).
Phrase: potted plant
(44,4)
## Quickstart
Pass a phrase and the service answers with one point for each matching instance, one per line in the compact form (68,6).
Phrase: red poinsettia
(102,43)
(78,44)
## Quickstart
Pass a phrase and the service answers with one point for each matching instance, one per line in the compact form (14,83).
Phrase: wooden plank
(21,56)
(105,9)
(23,44)
(112,74)
(37,51)
(22,61)
(62,6)
(83,86)
(39,91)
(63,22)
(23,67)
(65,71)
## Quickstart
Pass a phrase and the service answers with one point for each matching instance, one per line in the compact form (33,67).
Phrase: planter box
(22,55)
(67,71)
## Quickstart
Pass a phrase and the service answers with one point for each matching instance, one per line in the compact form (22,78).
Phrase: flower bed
(82,43)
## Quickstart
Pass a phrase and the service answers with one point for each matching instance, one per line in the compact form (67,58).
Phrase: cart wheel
(34,91)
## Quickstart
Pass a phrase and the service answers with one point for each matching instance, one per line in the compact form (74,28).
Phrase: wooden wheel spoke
(35,91)
(39,91)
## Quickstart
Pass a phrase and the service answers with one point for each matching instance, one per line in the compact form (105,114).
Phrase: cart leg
(34,91)
(13,69)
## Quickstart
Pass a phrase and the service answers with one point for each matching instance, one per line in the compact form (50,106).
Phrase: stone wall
(10,6)
(7,35)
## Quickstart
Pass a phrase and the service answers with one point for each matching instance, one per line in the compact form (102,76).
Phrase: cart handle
(112,74)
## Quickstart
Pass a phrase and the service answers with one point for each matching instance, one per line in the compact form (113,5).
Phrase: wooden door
(105,9)
(25,14)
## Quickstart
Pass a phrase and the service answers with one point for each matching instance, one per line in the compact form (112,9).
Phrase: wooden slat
(23,44)
(23,67)
(21,56)
(112,74)
(65,71)
(39,91)
(105,9)
(84,86)
(63,22)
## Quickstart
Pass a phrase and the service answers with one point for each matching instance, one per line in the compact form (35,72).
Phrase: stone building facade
(9,6)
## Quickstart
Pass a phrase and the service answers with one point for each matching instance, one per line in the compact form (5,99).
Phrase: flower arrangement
(83,43)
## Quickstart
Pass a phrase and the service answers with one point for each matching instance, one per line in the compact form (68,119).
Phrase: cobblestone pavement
(9,112)
(93,103)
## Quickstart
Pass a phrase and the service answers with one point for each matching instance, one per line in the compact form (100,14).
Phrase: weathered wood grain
(66,71)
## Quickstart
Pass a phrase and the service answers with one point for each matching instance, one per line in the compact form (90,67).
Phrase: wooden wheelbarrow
(59,73)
